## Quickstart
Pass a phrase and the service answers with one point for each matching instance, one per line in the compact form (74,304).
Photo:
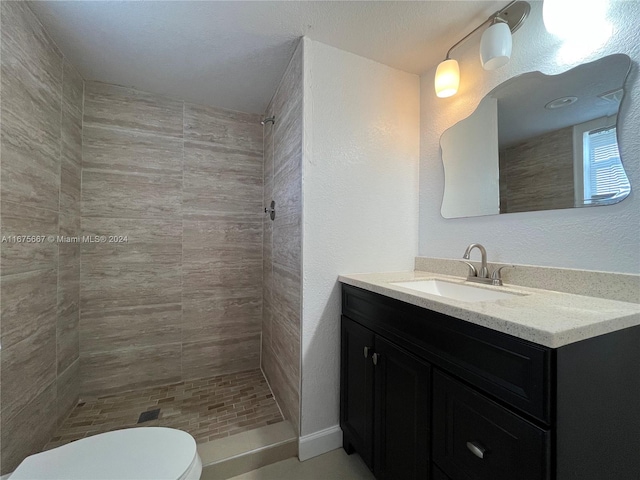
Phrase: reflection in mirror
(539,142)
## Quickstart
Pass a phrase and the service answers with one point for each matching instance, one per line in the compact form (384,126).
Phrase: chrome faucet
(482,276)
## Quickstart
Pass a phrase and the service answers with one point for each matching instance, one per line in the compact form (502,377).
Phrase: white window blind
(604,177)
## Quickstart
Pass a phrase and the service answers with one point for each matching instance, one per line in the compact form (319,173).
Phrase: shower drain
(148,416)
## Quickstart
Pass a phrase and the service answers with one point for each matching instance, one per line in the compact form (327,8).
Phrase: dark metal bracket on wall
(271,210)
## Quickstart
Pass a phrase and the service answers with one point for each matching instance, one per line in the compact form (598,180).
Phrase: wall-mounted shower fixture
(271,210)
(267,120)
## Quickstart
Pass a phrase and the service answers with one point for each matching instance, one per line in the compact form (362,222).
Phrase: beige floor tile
(208,408)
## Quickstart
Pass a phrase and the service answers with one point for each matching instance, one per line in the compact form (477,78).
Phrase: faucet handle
(472,269)
(496,278)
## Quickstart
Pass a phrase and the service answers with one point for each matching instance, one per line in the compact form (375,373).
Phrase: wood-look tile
(119,275)
(72,86)
(267,320)
(130,327)
(117,195)
(28,367)
(71,161)
(213,278)
(538,171)
(225,243)
(210,357)
(126,369)
(30,162)
(285,343)
(285,388)
(207,407)
(17,219)
(286,292)
(287,241)
(68,313)
(24,36)
(130,151)
(69,225)
(287,105)
(216,180)
(287,189)
(31,98)
(138,230)
(267,260)
(207,317)
(223,127)
(268,132)
(67,390)
(28,431)
(217,159)
(28,303)
(126,108)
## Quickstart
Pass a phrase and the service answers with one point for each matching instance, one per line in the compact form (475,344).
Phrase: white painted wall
(360,201)
(470,158)
(597,238)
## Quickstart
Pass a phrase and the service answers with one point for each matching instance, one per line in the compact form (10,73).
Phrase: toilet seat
(146,453)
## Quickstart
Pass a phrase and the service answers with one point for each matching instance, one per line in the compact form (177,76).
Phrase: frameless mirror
(539,142)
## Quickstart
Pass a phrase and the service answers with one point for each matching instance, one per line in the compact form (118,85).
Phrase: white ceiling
(232,54)
(521,100)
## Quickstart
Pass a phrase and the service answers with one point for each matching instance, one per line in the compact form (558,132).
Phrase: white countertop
(545,317)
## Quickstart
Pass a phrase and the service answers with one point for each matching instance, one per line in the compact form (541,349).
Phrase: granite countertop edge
(545,317)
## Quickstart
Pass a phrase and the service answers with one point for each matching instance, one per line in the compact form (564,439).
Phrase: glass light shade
(447,78)
(495,46)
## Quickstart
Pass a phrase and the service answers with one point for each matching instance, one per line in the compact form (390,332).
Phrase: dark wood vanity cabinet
(384,393)
(428,396)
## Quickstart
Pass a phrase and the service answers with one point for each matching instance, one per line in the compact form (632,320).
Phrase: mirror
(539,142)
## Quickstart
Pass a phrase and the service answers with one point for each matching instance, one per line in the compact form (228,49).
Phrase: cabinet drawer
(475,438)
(506,367)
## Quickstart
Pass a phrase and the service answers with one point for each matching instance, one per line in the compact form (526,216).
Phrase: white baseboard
(320,442)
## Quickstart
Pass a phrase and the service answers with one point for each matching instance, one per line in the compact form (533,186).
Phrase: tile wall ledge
(624,287)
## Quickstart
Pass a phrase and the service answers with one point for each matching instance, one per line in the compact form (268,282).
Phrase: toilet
(145,453)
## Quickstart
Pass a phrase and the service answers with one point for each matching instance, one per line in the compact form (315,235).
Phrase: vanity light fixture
(495,46)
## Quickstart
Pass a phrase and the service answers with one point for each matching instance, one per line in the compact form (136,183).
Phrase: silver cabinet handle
(366,352)
(477,449)
(375,357)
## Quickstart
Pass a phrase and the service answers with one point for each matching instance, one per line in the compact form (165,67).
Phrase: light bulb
(447,78)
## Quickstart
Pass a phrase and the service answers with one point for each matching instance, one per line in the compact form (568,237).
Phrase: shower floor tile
(208,409)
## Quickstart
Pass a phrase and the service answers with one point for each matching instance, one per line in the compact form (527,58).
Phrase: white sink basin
(455,291)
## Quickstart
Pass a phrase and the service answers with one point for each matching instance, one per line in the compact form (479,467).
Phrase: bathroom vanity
(443,389)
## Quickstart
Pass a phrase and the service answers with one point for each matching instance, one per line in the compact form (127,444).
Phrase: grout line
(184,111)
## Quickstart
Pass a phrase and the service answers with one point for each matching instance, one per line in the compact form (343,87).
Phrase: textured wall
(597,238)
(41,150)
(182,298)
(360,184)
(282,241)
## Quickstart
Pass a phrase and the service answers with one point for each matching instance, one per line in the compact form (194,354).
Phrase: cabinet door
(477,439)
(356,389)
(402,412)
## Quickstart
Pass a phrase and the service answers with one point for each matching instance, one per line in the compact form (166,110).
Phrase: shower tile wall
(534,174)
(283,243)
(41,110)
(182,298)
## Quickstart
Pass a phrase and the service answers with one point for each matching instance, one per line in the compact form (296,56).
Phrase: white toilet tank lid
(143,453)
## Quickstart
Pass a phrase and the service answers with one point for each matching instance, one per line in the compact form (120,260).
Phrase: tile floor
(208,409)
(335,465)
